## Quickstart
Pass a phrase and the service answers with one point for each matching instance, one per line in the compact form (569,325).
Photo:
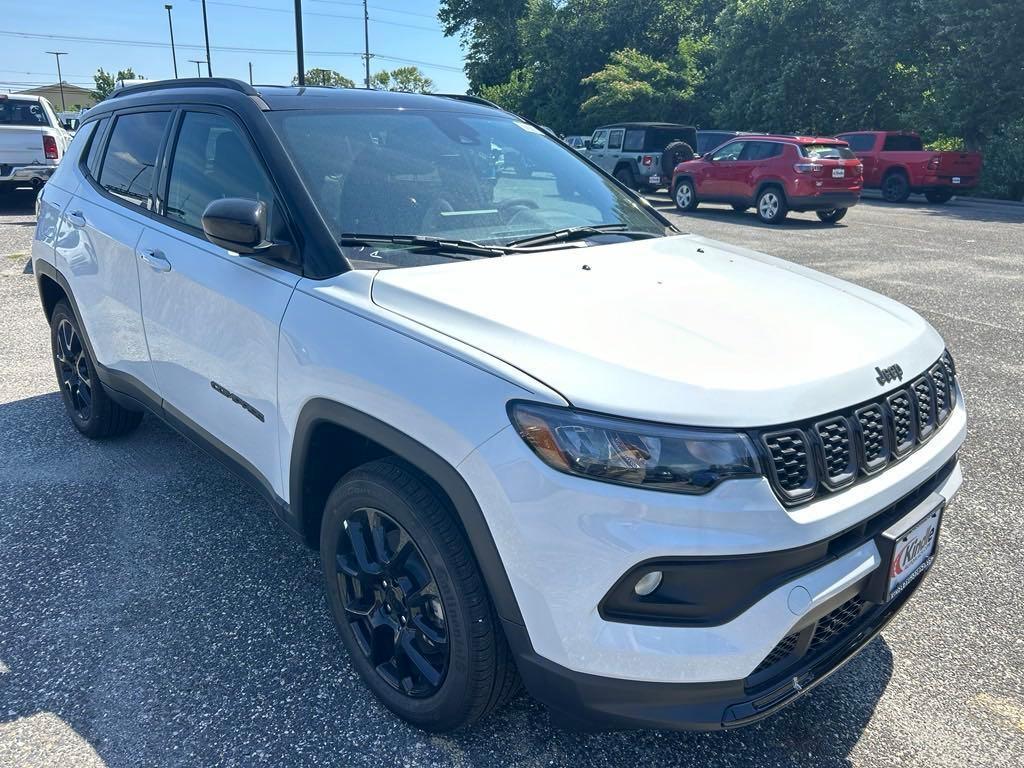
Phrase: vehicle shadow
(962,208)
(800,221)
(18,202)
(156,614)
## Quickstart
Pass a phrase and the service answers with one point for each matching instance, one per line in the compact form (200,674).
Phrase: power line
(250,7)
(379,8)
(226,48)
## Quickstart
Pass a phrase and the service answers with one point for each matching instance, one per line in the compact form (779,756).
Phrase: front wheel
(771,206)
(409,601)
(684,196)
(832,216)
(91,410)
(938,196)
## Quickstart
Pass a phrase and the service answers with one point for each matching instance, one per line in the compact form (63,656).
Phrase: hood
(682,330)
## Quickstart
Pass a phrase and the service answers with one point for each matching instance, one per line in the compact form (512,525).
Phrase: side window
(131,156)
(92,160)
(860,142)
(634,141)
(599,139)
(212,159)
(615,139)
(902,143)
(729,151)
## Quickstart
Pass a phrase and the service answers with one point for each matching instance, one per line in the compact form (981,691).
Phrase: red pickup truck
(897,163)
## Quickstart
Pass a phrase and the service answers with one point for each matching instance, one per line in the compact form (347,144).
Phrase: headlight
(664,458)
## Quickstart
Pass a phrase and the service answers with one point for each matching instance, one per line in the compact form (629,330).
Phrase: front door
(721,174)
(212,317)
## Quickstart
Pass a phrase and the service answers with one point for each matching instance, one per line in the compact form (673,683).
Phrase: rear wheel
(938,196)
(409,601)
(832,216)
(896,187)
(91,410)
(771,205)
(625,176)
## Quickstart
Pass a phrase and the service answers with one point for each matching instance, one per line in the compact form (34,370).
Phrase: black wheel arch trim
(466,507)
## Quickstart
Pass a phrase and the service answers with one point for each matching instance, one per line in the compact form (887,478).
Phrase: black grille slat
(834,625)
(839,460)
(780,652)
(924,398)
(874,437)
(827,455)
(791,466)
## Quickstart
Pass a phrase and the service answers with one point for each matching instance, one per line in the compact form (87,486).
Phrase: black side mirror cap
(236,223)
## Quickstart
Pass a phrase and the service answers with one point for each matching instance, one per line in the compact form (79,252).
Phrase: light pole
(250,73)
(366,41)
(206,33)
(298,43)
(170,24)
(197,62)
(60,79)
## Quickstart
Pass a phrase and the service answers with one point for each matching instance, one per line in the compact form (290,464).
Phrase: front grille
(779,652)
(829,454)
(835,624)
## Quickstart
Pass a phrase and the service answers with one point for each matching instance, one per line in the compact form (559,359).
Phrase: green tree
(407,79)
(105,81)
(634,86)
(326,77)
(488,32)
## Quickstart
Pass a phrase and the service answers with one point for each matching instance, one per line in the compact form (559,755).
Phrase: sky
(115,34)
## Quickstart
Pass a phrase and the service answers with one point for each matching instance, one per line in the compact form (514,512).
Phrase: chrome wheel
(392,603)
(769,205)
(74,369)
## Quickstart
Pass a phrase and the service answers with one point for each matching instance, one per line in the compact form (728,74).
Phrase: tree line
(952,70)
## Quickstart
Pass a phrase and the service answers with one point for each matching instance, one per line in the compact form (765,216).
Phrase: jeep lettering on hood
(697,332)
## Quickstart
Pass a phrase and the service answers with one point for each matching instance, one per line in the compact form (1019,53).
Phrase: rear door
(213,317)
(614,151)
(105,220)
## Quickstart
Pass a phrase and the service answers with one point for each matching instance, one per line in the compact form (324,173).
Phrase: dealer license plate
(913,552)
(956,179)
(655,179)
(838,173)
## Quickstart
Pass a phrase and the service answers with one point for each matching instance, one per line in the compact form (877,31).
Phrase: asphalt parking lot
(153,614)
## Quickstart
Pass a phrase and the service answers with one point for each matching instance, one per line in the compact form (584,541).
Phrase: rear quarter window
(634,141)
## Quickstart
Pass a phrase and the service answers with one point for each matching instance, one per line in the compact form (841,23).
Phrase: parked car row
(776,173)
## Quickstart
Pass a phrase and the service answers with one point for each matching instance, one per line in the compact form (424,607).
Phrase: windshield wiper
(439,245)
(577,233)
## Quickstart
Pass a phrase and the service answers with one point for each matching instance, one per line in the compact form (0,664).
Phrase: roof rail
(187,82)
(471,99)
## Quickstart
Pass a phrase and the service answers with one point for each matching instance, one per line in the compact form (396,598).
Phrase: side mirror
(236,223)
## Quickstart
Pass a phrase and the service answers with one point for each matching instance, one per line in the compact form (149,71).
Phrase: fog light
(647,583)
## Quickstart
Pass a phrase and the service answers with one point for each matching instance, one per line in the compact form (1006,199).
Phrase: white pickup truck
(32,141)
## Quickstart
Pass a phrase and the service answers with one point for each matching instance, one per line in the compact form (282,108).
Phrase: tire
(896,187)
(740,208)
(771,205)
(91,410)
(832,216)
(685,196)
(675,153)
(939,196)
(625,176)
(420,546)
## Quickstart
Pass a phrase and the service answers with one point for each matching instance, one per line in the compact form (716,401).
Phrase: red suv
(775,174)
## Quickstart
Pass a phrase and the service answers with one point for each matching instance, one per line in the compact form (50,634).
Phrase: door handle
(76,219)
(155,259)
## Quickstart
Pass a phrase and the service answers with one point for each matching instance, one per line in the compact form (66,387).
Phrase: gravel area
(153,614)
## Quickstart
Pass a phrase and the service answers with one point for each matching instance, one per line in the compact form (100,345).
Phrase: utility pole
(250,73)
(197,62)
(366,42)
(298,43)
(170,24)
(206,33)
(60,79)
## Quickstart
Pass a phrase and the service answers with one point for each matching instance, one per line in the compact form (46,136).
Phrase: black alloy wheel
(895,187)
(73,369)
(832,215)
(392,603)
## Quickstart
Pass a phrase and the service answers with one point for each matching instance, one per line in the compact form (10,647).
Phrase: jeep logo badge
(892,373)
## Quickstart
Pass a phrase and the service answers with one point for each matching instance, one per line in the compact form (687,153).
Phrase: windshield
(827,152)
(487,179)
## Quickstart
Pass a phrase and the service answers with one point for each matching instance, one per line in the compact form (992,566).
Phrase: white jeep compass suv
(536,434)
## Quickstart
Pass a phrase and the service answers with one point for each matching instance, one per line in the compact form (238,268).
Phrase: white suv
(535,433)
